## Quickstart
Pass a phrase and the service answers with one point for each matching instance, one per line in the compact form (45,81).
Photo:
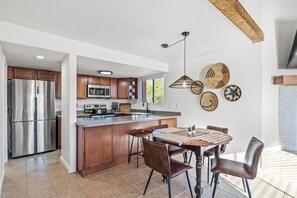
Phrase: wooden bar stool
(138,134)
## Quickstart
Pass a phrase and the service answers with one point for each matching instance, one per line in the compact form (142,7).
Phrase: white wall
(242,118)
(3,115)
(272,12)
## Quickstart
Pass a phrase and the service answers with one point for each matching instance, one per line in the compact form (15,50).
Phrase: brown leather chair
(156,157)
(246,170)
(211,152)
(172,150)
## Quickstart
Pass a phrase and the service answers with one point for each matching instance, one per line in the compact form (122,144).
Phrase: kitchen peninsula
(102,143)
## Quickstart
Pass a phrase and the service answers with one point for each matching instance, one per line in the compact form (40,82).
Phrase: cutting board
(125,107)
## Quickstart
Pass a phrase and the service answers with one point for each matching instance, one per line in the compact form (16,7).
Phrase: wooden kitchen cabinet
(113,88)
(23,73)
(9,73)
(46,75)
(104,81)
(123,84)
(127,88)
(172,122)
(81,86)
(59,132)
(93,80)
(58,85)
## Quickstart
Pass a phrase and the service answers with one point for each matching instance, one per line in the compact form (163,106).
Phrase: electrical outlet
(170,106)
(177,106)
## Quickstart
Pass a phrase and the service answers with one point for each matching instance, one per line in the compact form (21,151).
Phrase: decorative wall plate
(197,87)
(232,93)
(209,101)
(217,76)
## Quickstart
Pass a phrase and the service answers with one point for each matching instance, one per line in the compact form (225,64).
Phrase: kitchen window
(152,90)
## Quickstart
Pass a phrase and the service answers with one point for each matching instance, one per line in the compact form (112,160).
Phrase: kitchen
(135,51)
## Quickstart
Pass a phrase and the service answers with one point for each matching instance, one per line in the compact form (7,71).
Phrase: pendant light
(185,81)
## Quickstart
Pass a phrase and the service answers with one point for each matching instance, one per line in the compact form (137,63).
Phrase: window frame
(153,86)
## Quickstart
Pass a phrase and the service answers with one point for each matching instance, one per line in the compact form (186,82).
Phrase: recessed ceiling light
(105,72)
(40,57)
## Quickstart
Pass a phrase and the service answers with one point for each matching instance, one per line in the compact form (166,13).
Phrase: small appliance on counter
(98,110)
(114,106)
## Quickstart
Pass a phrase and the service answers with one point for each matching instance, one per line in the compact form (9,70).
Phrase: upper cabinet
(113,88)
(104,81)
(22,73)
(58,85)
(93,80)
(127,88)
(46,75)
(81,86)
(9,73)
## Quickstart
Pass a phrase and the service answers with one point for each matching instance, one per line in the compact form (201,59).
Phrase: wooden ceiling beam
(236,13)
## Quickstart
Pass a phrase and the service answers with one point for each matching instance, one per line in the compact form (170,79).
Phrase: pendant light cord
(185,55)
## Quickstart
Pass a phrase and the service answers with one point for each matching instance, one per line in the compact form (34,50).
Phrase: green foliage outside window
(155,90)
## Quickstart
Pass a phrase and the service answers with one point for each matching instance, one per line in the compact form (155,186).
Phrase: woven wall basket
(209,101)
(217,76)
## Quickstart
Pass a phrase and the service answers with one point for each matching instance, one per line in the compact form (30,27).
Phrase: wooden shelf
(285,80)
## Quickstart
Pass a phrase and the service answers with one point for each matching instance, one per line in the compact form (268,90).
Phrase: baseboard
(1,181)
(65,164)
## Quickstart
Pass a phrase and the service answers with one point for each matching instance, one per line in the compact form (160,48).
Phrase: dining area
(204,146)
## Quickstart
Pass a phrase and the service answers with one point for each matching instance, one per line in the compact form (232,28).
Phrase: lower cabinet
(103,147)
(172,122)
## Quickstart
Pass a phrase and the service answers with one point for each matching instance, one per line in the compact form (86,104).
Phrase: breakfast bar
(102,143)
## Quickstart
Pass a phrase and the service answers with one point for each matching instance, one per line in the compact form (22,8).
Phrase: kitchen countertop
(94,122)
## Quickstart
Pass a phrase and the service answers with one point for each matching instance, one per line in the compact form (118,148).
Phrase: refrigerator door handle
(37,90)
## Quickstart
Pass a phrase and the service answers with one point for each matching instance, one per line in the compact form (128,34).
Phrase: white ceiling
(137,27)
(24,56)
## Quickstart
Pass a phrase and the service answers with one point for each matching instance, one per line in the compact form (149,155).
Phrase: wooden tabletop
(202,137)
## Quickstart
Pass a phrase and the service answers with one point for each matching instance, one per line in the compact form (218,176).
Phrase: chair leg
(212,178)
(148,181)
(244,189)
(189,162)
(130,151)
(208,167)
(187,174)
(185,157)
(137,154)
(248,188)
(169,187)
(215,186)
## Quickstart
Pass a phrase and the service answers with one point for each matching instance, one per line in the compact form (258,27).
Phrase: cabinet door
(123,84)
(98,146)
(58,85)
(104,81)
(93,80)
(171,122)
(23,73)
(113,88)
(81,87)
(46,75)
(59,131)
(9,73)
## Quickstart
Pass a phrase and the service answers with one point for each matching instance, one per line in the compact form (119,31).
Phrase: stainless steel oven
(98,91)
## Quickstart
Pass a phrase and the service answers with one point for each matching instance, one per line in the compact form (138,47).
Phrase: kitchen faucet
(147,110)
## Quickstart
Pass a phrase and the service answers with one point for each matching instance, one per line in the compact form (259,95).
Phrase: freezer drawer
(46,135)
(22,139)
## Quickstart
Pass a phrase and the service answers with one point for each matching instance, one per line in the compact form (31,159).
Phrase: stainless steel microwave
(98,91)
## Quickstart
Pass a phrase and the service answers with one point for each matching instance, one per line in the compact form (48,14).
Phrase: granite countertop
(94,122)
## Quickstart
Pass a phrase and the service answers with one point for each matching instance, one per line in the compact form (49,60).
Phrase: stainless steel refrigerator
(33,117)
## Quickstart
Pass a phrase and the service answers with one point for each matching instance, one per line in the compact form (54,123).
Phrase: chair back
(162,126)
(252,156)
(224,130)
(156,157)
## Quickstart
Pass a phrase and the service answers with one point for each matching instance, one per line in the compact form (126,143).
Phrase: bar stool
(138,134)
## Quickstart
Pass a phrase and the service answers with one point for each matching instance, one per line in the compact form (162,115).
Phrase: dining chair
(172,150)
(157,158)
(246,170)
(211,152)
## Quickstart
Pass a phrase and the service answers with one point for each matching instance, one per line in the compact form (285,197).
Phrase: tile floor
(44,176)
